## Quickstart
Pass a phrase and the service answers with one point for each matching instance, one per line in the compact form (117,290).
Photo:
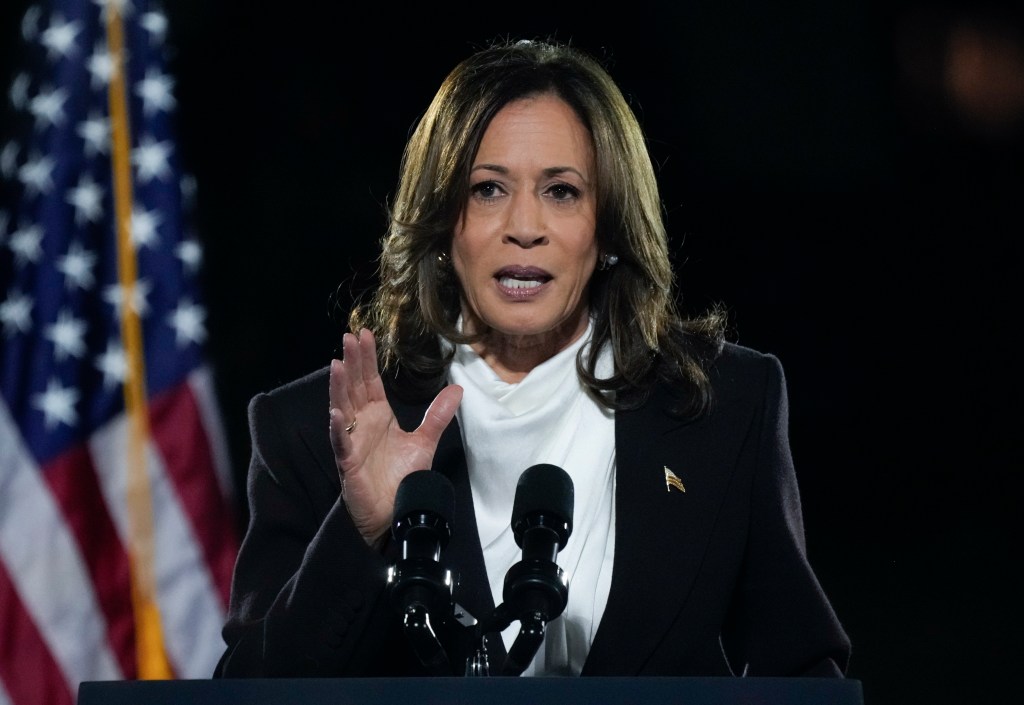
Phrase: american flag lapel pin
(672,480)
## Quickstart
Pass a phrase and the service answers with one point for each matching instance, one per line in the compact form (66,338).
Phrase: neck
(513,356)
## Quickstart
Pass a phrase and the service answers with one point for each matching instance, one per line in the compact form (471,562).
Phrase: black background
(815,179)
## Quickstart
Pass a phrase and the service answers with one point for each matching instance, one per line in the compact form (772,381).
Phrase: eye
(563,192)
(486,190)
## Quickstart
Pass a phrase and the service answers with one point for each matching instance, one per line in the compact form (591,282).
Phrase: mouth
(519,282)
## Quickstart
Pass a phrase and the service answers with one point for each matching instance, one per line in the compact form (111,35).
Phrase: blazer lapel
(662,527)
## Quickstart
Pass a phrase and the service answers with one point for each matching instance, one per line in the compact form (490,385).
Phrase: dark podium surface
(486,691)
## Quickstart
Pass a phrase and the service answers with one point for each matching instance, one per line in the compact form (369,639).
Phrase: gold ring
(351,427)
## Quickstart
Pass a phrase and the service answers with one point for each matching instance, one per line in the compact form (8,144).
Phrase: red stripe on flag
(27,669)
(179,433)
(72,479)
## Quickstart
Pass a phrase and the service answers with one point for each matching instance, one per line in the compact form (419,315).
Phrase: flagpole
(149,645)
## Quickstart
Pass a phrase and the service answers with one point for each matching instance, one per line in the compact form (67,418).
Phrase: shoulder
(741,372)
(311,383)
(736,359)
(290,446)
(289,422)
(309,392)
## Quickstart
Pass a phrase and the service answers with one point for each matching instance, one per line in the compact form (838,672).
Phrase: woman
(525,315)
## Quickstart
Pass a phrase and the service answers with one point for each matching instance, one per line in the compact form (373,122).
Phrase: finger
(371,373)
(339,389)
(354,371)
(341,441)
(440,413)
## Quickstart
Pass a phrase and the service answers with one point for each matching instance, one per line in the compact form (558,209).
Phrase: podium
(477,691)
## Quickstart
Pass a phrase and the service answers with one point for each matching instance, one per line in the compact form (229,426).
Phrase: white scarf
(545,418)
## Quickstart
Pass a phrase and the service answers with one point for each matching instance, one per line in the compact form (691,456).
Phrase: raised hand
(373,453)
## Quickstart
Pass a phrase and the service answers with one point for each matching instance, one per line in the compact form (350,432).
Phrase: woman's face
(524,248)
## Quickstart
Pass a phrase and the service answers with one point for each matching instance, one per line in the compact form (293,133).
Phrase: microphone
(536,590)
(418,584)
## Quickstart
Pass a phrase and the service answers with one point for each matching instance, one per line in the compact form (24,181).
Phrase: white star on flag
(87,198)
(113,364)
(101,66)
(156,24)
(155,91)
(59,37)
(150,159)
(48,107)
(26,244)
(67,334)
(57,404)
(95,130)
(190,253)
(76,266)
(9,160)
(143,228)
(187,320)
(36,174)
(18,93)
(16,314)
(30,23)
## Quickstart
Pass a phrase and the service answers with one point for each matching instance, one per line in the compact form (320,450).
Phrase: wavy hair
(632,305)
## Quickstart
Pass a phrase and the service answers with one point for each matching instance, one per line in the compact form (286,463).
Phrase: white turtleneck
(545,418)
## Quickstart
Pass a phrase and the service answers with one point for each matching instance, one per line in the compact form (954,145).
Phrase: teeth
(518,283)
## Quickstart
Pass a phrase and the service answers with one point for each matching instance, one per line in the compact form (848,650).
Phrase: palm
(377,454)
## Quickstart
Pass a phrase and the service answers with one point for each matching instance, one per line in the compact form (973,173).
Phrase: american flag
(117,521)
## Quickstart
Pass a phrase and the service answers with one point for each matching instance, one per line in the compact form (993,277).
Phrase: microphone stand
(536,592)
(478,664)
(524,648)
(418,587)
(425,642)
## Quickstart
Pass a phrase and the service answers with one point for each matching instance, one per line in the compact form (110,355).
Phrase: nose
(525,241)
(525,226)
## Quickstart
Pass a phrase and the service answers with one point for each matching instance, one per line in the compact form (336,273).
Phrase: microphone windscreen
(544,489)
(425,492)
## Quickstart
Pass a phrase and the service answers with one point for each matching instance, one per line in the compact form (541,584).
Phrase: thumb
(440,413)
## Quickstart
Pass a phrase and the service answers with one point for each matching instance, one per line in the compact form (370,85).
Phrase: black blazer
(713,581)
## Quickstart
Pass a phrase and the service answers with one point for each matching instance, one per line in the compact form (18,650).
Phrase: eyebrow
(549,171)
